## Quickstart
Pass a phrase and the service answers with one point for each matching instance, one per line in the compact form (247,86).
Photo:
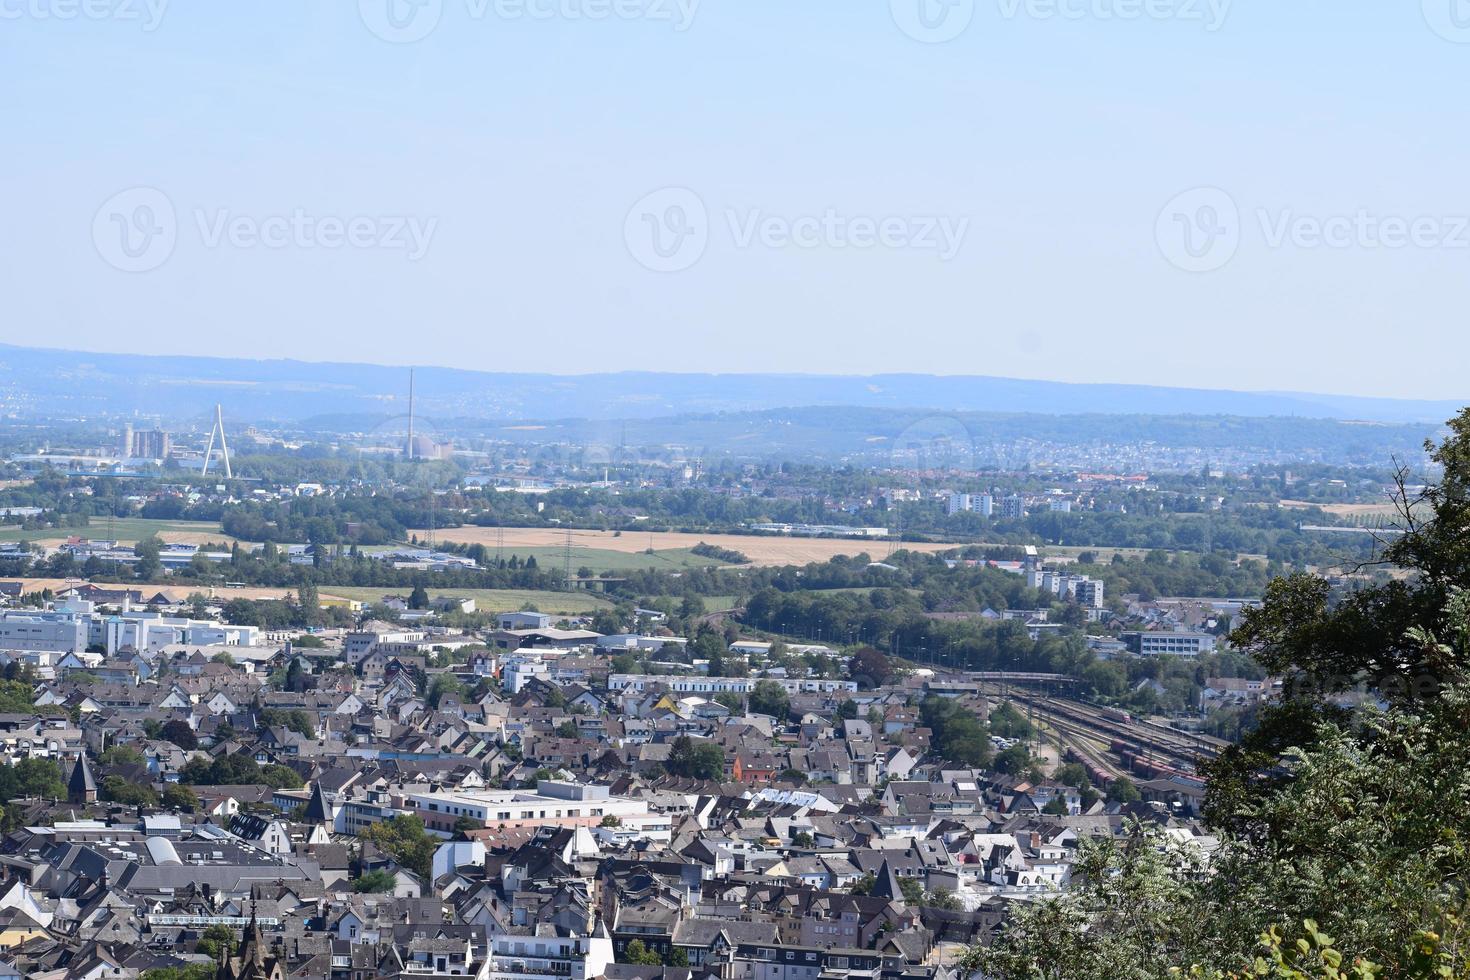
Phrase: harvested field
(761,550)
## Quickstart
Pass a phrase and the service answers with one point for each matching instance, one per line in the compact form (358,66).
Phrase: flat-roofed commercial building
(553,804)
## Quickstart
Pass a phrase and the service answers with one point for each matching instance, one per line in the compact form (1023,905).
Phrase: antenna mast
(571,586)
(410,413)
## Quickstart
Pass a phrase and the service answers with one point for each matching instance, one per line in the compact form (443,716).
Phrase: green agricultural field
(489,600)
(601,560)
(127,530)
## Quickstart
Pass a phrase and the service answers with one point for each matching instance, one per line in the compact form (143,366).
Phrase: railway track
(1144,748)
(1075,743)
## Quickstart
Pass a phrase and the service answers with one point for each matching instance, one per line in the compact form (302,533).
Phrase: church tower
(250,961)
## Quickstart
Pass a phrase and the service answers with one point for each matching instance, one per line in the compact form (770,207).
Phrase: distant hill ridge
(42,381)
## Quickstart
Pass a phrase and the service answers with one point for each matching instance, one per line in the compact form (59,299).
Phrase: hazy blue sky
(790,185)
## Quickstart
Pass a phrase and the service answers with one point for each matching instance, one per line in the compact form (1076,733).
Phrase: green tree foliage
(115,789)
(121,755)
(770,698)
(238,769)
(177,797)
(17,697)
(958,735)
(1006,721)
(375,881)
(941,898)
(869,667)
(913,890)
(406,840)
(1072,774)
(39,778)
(177,731)
(1354,834)
(1123,790)
(148,566)
(281,777)
(195,971)
(637,954)
(696,759)
(1013,761)
(464,824)
(215,939)
(1129,905)
(1368,639)
(711,646)
(294,719)
(446,685)
(294,678)
(1343,827)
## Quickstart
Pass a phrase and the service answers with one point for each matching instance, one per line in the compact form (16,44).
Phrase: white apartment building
(1164,643)
(517,674)
(1083,589)
(358,644)
(542,954)
(978,503)
(554,804)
